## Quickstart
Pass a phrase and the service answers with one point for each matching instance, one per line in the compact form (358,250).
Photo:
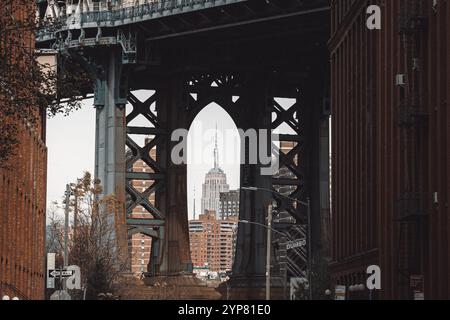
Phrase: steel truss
(231,92)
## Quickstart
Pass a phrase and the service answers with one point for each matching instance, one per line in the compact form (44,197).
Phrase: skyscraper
(215,183)
(229,204)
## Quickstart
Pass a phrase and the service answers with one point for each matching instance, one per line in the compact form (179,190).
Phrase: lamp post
(303,203)
(66,224)
(268,245)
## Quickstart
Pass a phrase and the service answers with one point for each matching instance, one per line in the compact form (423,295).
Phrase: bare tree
(54,238)
(54,231)
(95,245)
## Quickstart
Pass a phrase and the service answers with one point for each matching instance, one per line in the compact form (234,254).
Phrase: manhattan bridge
(241,54)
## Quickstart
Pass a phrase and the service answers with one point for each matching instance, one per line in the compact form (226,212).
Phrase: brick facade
(213,241)
(22,218)
(22,201)
(391,146)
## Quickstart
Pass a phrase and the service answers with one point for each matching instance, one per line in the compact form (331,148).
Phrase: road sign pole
(61,284)
(50,266)
(66,231)
(66,226)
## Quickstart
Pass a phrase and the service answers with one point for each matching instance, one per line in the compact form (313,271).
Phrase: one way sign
(60,273)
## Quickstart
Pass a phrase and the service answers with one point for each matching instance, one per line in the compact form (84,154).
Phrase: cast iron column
(175,253)
(110,133)
(248,280)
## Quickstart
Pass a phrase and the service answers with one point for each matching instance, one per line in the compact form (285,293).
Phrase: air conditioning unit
(400,80)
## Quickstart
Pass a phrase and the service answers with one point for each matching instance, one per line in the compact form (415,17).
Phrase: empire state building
(215,183)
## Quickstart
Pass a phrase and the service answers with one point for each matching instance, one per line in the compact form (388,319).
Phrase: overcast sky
(71,142)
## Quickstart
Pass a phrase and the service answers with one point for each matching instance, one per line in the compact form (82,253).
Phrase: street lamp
(269,248)
(303,203)
(268,245)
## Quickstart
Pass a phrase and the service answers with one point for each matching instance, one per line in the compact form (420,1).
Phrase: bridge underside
(244,65)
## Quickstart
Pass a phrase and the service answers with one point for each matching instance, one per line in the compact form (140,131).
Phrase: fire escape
(412,120)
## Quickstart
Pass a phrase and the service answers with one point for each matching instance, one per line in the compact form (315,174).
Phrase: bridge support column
(175,257)
(249,269)
(319,168)
(110,132)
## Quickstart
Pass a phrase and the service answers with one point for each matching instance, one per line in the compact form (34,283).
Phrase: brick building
(213,241)
(22,218)
(23,194)
(391,178)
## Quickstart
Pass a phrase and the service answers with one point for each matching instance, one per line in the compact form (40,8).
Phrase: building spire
(216,152)
(194,203)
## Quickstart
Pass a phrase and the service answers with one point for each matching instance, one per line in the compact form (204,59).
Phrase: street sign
(417,286)
(296,244)
(70,276)
(50,266)
(60,273)
(340,292)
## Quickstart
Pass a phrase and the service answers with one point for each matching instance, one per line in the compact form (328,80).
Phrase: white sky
(70,144)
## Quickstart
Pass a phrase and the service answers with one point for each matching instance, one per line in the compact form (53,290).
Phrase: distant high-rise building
(215,183)
(213,242)
(229,204)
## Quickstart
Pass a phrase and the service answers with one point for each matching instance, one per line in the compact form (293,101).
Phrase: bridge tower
(241,54)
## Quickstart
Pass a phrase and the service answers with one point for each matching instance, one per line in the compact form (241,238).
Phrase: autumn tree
(94,238)
(29,90)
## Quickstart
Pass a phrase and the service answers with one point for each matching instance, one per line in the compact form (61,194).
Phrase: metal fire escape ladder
(412,120)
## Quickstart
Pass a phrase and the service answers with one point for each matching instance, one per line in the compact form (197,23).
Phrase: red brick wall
(22,218)
(22,213)
(376,159)
(354,227)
